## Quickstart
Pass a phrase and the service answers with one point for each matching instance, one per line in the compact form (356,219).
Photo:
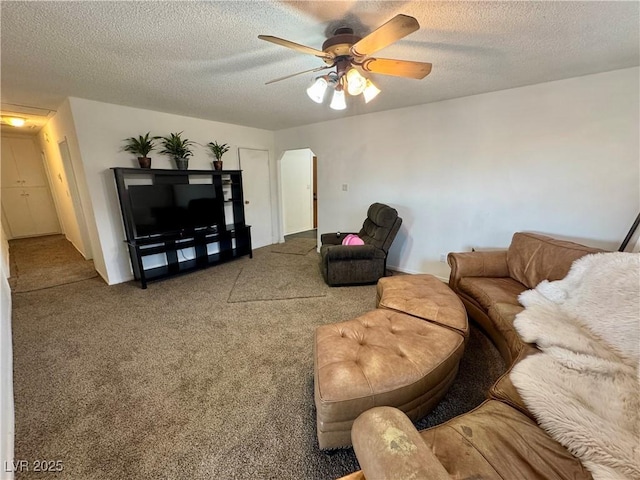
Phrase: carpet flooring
(44,262)
(178,382)
(295,246)
(256,283)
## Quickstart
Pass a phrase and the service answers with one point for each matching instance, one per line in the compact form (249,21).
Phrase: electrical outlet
(443,257)
(345,187)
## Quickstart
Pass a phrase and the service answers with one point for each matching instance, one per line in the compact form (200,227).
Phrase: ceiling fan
(351,55)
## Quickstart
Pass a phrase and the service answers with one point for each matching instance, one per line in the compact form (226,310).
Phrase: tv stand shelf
(188,247)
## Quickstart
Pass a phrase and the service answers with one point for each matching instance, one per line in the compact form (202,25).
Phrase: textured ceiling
(203,59)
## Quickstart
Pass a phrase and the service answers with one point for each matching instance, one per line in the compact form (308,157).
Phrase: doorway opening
(41,254)
(299,193)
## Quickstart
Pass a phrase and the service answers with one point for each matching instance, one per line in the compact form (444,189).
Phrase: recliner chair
(360,264)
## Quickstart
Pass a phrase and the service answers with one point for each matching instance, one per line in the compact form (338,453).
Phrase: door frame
(312,193)
(72,184)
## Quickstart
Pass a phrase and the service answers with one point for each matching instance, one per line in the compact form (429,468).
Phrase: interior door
(42,210)
(17,213)
(256,180)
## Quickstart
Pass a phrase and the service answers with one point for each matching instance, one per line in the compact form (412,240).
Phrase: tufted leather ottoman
(423,296)
(384,357)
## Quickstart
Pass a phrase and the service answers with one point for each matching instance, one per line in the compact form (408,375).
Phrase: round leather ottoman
(423,296)
(383,357)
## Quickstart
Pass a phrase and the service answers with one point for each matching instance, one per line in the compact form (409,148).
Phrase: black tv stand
(229,239)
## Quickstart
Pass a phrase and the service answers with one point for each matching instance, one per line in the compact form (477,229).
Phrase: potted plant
(218,150)
(177,148)
(141,146)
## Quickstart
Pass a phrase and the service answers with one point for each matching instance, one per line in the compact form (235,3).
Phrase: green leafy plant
(217,149)
(140,146)
(176,146)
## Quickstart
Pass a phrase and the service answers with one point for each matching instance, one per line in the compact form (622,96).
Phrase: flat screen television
(166,209)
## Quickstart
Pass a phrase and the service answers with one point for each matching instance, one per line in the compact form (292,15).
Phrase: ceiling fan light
(356,83)
(370,92)
(317,89)
(338,102)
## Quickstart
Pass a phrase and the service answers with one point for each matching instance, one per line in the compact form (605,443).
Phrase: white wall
(7,426)
(296,170)
(101,129)
(559,158)
(58,129)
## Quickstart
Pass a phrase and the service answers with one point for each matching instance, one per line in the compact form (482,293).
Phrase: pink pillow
(352,239)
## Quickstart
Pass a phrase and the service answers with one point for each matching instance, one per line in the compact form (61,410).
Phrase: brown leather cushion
(495,441)
(502,316)
(487,291)
(362,362)
(423,296)
(504,390)
(532,258)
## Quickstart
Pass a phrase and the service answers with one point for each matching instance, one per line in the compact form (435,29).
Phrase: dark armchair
(360,264)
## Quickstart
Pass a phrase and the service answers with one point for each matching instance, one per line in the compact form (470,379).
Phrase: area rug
(44,262)
(258,282)
(295,246)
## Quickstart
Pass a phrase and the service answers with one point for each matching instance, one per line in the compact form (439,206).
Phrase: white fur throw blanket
(584,386)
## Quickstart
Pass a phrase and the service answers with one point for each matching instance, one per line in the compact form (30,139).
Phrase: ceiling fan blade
(299,73)
(294,46)
(398,27)
(397,68)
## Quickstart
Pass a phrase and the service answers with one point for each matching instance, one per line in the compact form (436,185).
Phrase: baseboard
(414,272)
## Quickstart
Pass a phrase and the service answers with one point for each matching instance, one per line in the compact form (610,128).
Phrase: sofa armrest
(388,446)
(334,238)
(477,264)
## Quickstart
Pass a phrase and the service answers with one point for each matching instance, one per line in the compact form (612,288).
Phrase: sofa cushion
(488,291)
(504,390)
(502,316)
(532,258)
(495,441)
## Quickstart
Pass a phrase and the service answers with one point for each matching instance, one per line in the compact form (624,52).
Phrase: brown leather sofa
(499,439)
(489,282)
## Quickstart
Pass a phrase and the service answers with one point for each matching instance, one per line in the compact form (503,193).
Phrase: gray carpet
(295,246)
(257,282)
(176,382)
(44,262)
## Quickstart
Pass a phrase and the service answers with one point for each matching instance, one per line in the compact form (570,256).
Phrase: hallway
(43,262)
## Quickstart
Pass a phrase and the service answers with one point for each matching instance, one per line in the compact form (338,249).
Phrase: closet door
(10,175)
(28,162)
(26,200)
(17,212)
(42,211)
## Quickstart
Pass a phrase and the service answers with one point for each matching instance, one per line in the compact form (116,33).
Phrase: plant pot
(182,163)
(217,164)
(145,162)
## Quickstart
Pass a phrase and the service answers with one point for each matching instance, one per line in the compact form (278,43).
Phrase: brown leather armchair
(360,264)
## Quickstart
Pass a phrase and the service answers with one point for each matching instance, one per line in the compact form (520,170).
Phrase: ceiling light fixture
(338,102)
(356,83)
(343,82)
(14,121)
(370,91)
(317,89)
(351,56)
